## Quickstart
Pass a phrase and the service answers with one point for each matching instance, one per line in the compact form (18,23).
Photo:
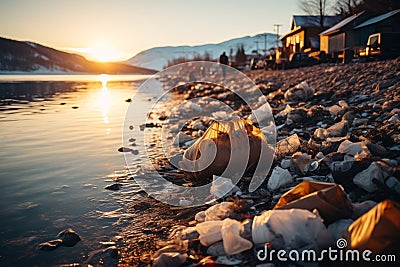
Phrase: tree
(374,7)
(240,56)
(347,7)
(315,7)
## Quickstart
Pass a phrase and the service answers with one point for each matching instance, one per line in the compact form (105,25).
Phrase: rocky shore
(335,123)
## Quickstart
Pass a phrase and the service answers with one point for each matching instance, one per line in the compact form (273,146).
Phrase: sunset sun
(104,53)
(101,52)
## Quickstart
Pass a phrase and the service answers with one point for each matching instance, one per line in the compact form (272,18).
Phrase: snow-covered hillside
(157,58)
(20,57)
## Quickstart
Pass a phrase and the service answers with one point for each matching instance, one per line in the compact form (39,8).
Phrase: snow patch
(157,58)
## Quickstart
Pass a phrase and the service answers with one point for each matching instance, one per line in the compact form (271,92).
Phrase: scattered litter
(291,229)
(211,154)
(300,92)
(329,199)
(219,211)
(377,230)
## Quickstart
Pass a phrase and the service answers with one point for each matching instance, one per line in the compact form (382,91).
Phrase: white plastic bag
(262,114)
(300,92)
(219,211)
(210,232)
(233,242)
(291,229)
(227,230)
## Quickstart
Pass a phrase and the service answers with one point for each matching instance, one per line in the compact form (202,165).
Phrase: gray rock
(69,237)
(278,178)
(365,179)
(216,249)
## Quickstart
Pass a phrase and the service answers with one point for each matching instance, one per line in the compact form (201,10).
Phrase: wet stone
(114,187)
(69,237)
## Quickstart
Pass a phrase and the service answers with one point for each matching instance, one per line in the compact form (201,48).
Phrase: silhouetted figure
(192,77)
(223,61)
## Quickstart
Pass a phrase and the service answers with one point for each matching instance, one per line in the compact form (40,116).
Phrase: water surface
(59,141)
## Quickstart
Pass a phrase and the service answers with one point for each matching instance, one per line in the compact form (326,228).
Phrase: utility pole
(277,32)
(265,44)
(256,46)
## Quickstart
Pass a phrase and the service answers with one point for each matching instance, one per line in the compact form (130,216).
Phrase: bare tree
(347,7)
(374,7)
(315,7)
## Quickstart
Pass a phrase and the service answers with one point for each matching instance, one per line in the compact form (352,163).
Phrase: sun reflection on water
(105,98)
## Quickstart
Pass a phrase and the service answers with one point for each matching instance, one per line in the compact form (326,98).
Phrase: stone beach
(335,123)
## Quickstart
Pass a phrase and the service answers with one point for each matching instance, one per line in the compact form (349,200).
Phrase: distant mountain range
(157,58)
(19,56)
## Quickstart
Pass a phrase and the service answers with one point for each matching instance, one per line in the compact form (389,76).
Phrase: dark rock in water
(130,127)
(132,140)
(128,100)
(124,149)
(116,186)
(50,245)
(135,152)
(69,237)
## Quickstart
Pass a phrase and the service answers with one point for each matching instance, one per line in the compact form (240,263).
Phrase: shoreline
(369,90)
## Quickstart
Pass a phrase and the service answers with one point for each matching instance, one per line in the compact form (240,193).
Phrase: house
(388,22)
(303,34)
(352,33)
(342,35)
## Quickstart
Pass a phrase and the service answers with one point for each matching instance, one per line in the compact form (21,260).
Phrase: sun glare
(103,53)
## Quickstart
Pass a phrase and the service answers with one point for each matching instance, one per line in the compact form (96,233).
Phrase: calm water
(59,141)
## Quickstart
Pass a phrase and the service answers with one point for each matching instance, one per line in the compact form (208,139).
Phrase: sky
(118,29)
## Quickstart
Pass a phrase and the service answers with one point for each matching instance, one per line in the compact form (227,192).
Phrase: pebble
(125,149)
(278,178)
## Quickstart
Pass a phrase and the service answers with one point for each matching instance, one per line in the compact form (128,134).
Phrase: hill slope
(19,56)
(157,58)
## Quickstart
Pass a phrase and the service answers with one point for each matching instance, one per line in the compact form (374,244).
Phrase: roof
(341,24)
(313,21)
(378,19)
(301,22)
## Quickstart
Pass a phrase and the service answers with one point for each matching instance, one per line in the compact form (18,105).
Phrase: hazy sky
(123,28)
